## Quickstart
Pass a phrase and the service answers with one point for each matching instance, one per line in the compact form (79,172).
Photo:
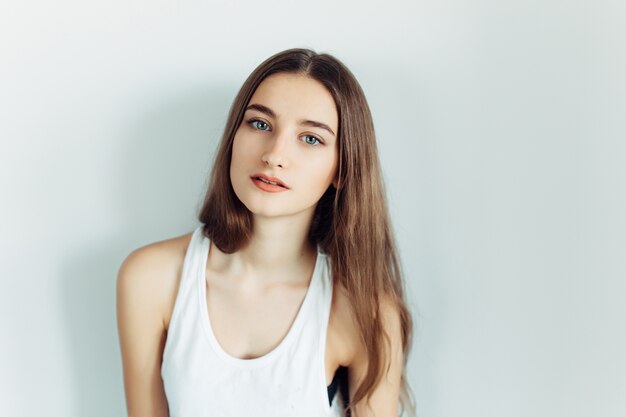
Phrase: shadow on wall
(159,184)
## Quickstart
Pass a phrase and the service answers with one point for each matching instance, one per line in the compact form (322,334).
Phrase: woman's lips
(267,178)
(267,187)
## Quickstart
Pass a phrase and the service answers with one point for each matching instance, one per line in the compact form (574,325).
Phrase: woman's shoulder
(344,335)
(154,271)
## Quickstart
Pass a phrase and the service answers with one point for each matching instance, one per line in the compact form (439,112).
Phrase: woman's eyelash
(253,123)
(319,142)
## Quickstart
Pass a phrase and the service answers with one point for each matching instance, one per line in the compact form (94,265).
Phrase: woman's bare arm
(142,331)
(384,399)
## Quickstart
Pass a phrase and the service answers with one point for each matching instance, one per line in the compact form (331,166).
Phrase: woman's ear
(335,182)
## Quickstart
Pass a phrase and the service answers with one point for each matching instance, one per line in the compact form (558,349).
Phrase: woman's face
(288,132)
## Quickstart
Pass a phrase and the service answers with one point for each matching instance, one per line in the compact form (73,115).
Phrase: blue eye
(311,140)
(259,124)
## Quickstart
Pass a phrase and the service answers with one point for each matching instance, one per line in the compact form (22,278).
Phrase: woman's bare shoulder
(155,270)
(344,337)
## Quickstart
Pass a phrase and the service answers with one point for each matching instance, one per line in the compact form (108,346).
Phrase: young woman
(288,299)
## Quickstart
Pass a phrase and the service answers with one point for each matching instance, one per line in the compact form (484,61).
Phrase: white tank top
(202,380)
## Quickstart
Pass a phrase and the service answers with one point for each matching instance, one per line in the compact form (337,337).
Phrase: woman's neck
(278,251)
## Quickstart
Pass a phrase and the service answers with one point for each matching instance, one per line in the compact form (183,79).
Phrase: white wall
(501,132)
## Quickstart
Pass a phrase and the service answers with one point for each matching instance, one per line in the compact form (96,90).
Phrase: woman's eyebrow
(317,124)
(262,109)
(266,110)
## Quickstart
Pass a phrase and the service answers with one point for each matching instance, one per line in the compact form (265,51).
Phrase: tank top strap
(194,258)
(181,319)
(194,261)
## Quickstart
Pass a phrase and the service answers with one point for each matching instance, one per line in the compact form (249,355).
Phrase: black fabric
(340,382)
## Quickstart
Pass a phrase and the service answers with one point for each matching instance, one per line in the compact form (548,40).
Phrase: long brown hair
(351,222)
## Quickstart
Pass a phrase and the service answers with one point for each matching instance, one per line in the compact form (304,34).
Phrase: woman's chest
(250,324)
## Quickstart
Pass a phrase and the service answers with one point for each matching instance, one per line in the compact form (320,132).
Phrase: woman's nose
(276,153)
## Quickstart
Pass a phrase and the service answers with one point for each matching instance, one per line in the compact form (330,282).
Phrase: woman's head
(353,137)
(287,135)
